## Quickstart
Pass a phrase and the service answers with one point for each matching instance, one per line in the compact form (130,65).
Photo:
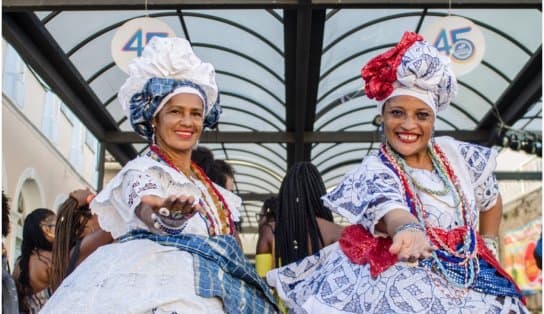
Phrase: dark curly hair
(33,239)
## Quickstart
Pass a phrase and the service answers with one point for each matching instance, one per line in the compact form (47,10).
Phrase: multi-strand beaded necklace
(223,211)
(465,255)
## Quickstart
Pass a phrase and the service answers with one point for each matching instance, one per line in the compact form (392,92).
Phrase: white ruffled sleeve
(115,205)
(366,194)
(481,162)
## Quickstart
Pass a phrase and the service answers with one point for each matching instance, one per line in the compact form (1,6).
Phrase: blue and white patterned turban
(423,72)
(168,66)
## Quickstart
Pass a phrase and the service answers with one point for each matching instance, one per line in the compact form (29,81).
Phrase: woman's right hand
(153,207)
(411,245)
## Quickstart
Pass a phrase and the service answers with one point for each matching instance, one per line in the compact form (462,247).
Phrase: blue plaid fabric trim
(143,104)
(221,270)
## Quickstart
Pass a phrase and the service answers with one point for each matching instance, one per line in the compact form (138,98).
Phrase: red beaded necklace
(225,217)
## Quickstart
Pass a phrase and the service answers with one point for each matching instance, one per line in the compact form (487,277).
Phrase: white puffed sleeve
(366,194)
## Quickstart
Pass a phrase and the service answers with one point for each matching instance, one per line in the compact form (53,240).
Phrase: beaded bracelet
(160,225)
(412,227)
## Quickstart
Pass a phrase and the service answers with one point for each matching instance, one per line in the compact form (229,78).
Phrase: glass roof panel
(224,61)
(452,118)
(73,20)
(242,166)
(249,115)
(277,157)
(116,111)
(248,153)
(371,36)
(333,177)
(342,120)
(42,14)
(532,120)
(229,127)
(261,21)
(233,101)
(231,37)
(125,126)
(346,111)
(108,83)
(486,81)
(348,151)
(345,20)
(323,151)
(94,56)
(228,83)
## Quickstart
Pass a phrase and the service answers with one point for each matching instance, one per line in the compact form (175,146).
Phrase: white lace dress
(328,282)
(138,276)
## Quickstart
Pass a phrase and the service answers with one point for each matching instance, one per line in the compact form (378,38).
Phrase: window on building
(14,76)
(50,113)
(76,149)
(91,141)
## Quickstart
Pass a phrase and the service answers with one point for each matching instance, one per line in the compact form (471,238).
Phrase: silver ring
(164,211)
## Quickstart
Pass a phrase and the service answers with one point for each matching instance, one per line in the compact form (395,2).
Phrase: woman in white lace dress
(424,210)
(174,250)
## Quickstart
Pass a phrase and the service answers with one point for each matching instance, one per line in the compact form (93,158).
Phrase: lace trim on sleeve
(480,161)
(486,193)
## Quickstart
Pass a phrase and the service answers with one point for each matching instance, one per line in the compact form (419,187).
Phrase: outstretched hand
(411,245)
(168,210)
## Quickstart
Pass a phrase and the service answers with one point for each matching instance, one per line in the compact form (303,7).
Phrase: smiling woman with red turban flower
(425,211)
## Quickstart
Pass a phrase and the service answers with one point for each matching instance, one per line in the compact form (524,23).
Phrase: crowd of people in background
(163,235)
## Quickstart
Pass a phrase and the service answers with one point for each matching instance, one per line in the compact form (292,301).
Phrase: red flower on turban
(381,72)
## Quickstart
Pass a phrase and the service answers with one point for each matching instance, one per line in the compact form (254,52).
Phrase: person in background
(203,157)
(33,267)
(77,235)
(266,219)
(222,174)
(10,303)
(419,207)
(303,224)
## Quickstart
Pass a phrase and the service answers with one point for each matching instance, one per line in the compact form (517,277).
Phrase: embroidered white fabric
(138,276)
(328,282)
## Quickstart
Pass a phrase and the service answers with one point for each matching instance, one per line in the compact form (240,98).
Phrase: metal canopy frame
(305,126)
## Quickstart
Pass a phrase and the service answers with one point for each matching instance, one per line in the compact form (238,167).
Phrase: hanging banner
(519,262)
(458,38)
(130,39)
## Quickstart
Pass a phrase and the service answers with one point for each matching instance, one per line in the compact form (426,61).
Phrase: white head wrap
(171,58)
